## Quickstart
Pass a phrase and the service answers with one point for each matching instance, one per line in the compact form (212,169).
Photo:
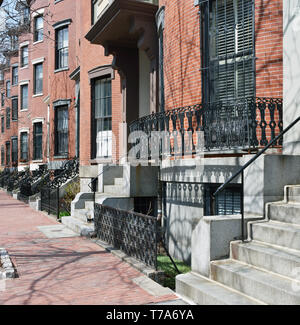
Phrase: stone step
(113,189)
(292,193)
(81,214)
(257,283)
(78,226)
(289,213)
(279,260)
(277,233)
(204,291)
(119,181)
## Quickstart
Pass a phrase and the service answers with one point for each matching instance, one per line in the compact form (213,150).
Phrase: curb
(157,276)
(7,266)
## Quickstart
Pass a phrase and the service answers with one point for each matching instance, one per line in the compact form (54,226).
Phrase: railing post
(212,205)
(156,242)
(49,199)
(57,202)
(242,207)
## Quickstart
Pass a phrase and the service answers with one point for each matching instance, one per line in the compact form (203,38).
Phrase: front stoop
(204,291)
(80,227)
(264,270)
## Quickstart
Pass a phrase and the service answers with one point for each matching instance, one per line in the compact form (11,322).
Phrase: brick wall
(182,51)
(92,56)
(269,48)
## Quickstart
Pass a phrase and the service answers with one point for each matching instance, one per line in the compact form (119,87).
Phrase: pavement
(57,267)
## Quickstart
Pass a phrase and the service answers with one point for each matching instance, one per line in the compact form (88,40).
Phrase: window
(61,130)
(24,97)
(160,23)
(25,15)
(38,141)
(24,56)
(14,76)
(2,124)
(228,50)
(38,78)
(2,156)
(102,123)
(62,48)
(228,202)
(14,104)
(14,150)
(2,99)
(7,117)
(8,89)
(7,147)
(24,146)
(38,29)
(95,10)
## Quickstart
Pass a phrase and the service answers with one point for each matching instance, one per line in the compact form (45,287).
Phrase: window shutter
(231,50)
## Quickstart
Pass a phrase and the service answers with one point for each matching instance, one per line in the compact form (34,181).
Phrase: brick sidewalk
(62,271)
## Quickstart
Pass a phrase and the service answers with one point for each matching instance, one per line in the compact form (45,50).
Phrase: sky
(2,20)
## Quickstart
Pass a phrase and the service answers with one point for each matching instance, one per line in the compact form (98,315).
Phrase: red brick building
(179,66)
(57,68)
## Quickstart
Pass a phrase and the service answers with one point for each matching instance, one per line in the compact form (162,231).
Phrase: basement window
(228,202)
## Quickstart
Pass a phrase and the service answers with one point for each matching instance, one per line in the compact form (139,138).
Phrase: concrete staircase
(81,220)
(264,270)
(119,187)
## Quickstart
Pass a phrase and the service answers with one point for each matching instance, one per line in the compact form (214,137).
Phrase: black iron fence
(30,183)
(50,188)
(4,178)
(243,124)
(134,233)
(50,200)
(14,180)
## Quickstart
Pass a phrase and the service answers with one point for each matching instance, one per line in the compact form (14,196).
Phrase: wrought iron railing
(50,187)
(14,180)
(133,233)
(28,184)
(240,173)
(4,177)
(243,124)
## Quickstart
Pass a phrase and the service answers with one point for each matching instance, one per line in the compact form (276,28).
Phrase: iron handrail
(242,169)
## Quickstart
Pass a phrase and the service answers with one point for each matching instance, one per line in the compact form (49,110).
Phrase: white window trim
(37,61)
(38,120)
(24,130)
(37,95)
(62,24)
(23,44)
(37,42)
(23,82)
(38,12)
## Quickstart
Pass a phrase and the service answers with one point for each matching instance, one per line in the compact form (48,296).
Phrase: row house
(207,74)
(42,87)
(210,70)
(165,102)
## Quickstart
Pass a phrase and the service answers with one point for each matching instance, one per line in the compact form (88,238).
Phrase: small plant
(70,193)
(64,214)
(164,263)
